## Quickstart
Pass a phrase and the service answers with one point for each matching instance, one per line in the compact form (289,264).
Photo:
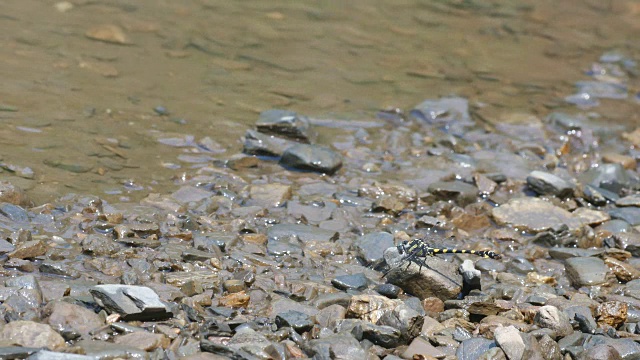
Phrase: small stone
(233,285)
(473,348)
(510,340)
(600,352)
(143,340)
(269,195)
(29,250)
(550,317)
(108,33)
(612,177)
(256,143)
(31,334)
(458,191)
(630,200)
(612,313)
(12,194)
(285,123)
(346,282)
(300,322)
(548,184)
(586,271)
(132,302)
(626,161)
(235,300)
(66,317)
(312,158)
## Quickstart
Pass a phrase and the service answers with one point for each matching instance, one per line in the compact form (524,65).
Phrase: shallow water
(80,112)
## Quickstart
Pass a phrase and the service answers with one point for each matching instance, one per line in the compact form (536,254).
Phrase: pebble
(312,158)
(132,302)
(108,33)
(286,123)
(533,215)
(548,184)
(31,334)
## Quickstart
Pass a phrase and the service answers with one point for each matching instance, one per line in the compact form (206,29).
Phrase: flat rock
(143,340)
(256,143)
(286,123)
(269,195)
(472,348)
(132,302)
(549,184)
(612,177)
(188,194)
(311,158)
(459,191)
(586,271)
(629,214)
(551,317)
(371,246)
(29,250)
(534,215)
(31,334)
(304,233)
(50,355)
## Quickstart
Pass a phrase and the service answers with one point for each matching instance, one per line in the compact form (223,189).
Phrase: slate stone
(14,212)
(510,340)
(256,143)
(629,214)
(534,215)
(371,246)
(586,271)
(389,290)
(311,158)
(550,317)
(472,348)
(548,184)
(132,302)
(286,123)
(346,282)
(298,321)
(50,355)
(304,233)
(612,177)
(17,352)
(459,191)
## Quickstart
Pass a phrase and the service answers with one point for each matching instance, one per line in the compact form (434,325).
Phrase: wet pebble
(286,123)
(298,321)
(132,302)
(312,158)
(346,282)
(586,271)
(548,184)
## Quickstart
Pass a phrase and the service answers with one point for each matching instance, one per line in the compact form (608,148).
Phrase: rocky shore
(279,252)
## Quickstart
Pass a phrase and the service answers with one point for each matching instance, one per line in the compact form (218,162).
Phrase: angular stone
(371,246)
(132,302)
(510,340)
(285,123)
(29,250)
(548,184)
(550,317)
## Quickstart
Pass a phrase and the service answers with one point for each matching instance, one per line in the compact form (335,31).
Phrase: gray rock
(550,317)
(106,350)
(510,341)
(582,315)
(256,143)
(444,110)
(404,318)
(50,355)
(371,246)
(339,346)
(298,321)
(548,184)
(304,233)
(470,277)
(14,212)
(629,214)
(268,195)
(586,271)
(600,352)
(612,177)
(598,196)
(567,253)
(346,282)
(60,268)
(312,158)
(313,213)
(99,245)
(285,123)
(436,277)
(389,290)
(615,226)
(550,348)
(534,215)
(17,352)
(630,200)
(459,191)
(132,302)
(472,348)
(382,335)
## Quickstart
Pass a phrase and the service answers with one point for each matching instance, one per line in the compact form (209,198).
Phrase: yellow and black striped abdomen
(418,248)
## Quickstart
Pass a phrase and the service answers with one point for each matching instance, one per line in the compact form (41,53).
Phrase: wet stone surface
(302,246)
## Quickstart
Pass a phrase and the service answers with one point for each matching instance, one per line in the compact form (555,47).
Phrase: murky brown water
(79,111)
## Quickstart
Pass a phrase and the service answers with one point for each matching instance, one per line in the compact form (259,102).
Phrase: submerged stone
(311,158)
(285,123)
